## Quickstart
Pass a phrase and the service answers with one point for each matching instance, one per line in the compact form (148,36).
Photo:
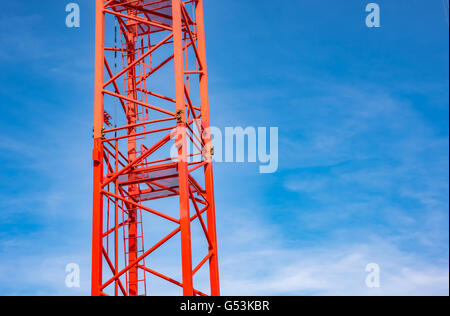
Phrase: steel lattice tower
(151,98)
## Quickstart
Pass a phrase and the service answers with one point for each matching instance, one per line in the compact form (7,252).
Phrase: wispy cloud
(332,270)
(256,261)
(24,42)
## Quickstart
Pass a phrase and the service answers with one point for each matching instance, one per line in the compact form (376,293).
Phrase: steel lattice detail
(151,99)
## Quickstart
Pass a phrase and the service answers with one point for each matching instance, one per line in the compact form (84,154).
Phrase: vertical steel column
(185,222)
(132,119)
(209,179)
(97,155)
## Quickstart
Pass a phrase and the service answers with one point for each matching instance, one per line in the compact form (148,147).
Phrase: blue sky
(364,148)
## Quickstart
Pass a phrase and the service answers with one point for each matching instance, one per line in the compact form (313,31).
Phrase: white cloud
(332,270)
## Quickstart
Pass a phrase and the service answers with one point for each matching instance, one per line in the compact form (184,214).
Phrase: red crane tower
(152,145)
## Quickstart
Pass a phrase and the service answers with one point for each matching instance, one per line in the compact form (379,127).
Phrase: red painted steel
(151,100)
